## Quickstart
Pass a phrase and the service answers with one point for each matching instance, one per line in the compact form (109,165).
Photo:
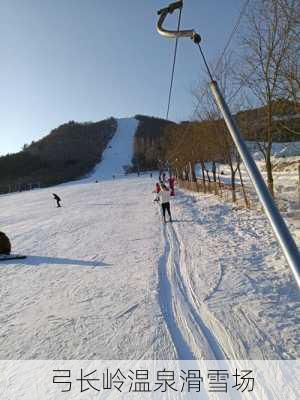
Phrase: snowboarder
(57,198)
(164,196)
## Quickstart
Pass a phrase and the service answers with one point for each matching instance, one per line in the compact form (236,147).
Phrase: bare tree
(267,42)
(291,66)
(290,71)
(220,144)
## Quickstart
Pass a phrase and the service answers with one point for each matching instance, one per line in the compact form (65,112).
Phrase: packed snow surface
(118,153)
(106,279)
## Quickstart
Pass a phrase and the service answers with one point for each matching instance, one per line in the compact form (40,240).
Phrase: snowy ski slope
(119,151)
(105,279)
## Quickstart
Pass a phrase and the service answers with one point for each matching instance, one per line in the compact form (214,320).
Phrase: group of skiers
(164,189)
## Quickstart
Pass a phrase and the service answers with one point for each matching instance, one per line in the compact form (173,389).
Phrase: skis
(7,257)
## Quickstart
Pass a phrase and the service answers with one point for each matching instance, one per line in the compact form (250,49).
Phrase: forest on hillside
(149,146)
(68,152)
(159,141)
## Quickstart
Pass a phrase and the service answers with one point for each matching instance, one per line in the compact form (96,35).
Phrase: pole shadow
(100,204)
(37,260)
(184,220)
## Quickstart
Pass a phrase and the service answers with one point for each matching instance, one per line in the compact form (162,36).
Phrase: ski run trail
(106,279)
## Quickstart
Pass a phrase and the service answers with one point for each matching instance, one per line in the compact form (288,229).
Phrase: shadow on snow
(37,260)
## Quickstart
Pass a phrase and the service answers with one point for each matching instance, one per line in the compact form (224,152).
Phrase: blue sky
(86,60)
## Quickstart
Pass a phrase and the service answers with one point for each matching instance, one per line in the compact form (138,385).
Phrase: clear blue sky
(86,60)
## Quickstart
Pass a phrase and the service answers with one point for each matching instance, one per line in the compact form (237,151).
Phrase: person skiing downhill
(164,196)
(57,198)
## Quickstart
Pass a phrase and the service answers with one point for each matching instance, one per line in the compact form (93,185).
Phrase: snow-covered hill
(118,154)
(105,278)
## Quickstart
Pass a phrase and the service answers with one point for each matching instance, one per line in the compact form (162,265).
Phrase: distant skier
(162,177)
(57,198)
(164,196)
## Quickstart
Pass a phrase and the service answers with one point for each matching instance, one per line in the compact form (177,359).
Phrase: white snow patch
(119,151)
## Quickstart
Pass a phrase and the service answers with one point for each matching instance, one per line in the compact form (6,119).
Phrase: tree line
(261,77)
(68,152)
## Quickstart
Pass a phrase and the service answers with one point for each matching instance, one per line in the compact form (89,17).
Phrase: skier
(157,190)
(162,178)
(164,196)
(172,184)
(57,198)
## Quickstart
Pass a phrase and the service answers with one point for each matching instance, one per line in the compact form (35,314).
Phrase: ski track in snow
(105,278)
(220,249)
(183,318)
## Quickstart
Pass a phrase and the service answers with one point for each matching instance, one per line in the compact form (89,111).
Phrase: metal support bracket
(174,34)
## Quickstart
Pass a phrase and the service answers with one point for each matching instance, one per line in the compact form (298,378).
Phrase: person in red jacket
(157,190)
(172,185)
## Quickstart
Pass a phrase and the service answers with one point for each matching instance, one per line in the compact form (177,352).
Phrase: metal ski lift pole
(280,229)
(282,233)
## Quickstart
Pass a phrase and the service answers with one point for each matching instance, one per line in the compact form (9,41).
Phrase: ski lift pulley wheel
(196,38)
